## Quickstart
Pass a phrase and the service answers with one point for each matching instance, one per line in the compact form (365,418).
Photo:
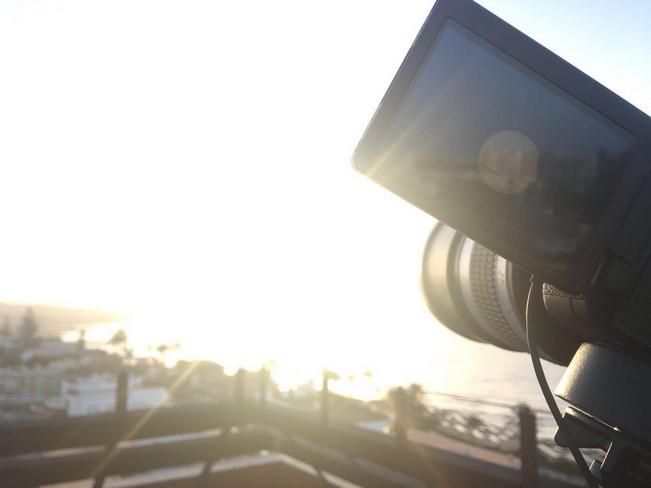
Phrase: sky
(188,163)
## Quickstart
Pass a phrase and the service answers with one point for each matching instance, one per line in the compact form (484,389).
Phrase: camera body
(496,136)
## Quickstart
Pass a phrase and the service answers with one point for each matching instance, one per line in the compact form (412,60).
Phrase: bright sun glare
(187,163)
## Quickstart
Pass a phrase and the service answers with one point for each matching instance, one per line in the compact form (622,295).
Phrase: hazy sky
(168,158)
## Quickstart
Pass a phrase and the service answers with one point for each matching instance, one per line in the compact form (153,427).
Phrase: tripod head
(610,407)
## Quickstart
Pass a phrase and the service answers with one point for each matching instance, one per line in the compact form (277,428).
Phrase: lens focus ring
(490,308)
(483,297)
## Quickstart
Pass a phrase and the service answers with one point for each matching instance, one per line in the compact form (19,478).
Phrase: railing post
(264,382)
(400,420)
(238,388)
(325,398)
(528,447)
(122,392)
(121,407)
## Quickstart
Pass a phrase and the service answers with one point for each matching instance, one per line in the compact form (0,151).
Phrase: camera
(532,168)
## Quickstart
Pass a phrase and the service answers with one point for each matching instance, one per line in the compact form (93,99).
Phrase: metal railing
(128,442)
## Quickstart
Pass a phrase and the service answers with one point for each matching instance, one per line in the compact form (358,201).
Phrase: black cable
(534,301)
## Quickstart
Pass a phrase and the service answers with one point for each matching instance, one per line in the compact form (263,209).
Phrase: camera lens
(483,297)
(474,292)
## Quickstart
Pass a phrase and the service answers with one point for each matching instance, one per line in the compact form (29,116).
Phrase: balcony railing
(57,450)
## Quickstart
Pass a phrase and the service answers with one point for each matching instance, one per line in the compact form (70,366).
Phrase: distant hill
(53,319)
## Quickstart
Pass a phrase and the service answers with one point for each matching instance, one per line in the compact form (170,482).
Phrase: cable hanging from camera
(534,302)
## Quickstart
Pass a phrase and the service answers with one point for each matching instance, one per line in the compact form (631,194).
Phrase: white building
(48,350)
(96,394)
(24,386)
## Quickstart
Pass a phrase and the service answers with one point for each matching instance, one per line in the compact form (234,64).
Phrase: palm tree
(28,327)
(5,332)
(409,405)
(163,349)
(81,341)
(118,339)
(119,342)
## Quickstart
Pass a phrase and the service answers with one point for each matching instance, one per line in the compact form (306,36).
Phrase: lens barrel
(483,297)
(474,292)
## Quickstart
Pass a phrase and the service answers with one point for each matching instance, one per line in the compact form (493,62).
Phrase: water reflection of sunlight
(367,360)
